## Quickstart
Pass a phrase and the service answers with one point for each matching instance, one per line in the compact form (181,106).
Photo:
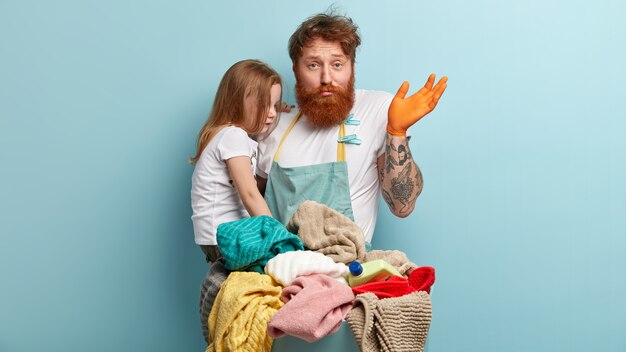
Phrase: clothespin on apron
(349,139)
(352,138)
(351,121)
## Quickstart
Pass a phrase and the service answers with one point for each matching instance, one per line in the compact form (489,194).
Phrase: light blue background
(522,212)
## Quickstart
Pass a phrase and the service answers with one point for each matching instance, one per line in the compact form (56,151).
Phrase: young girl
(223,187)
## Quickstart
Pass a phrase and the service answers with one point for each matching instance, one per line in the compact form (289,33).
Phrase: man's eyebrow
(317,57)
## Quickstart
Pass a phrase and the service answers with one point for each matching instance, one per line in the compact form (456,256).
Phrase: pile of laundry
(274,280)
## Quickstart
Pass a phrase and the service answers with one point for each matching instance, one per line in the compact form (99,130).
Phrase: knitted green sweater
(249,243)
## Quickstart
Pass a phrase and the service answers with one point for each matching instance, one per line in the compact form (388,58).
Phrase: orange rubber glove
(403,113)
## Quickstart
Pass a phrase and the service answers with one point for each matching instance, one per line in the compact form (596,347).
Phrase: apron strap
(280,145)
(341,147)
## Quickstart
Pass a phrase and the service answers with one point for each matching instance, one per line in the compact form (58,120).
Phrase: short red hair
(329,27)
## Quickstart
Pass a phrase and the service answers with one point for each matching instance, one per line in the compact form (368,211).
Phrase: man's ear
(293,68)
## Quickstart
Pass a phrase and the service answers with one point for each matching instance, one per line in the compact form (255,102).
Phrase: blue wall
(524,200)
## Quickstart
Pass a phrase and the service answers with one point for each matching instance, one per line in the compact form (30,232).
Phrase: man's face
(323,63)
(324,83)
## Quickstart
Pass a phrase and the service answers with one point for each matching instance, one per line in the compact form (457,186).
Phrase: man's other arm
(399,176)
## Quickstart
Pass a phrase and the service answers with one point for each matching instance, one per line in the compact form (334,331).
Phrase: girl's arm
(240,169)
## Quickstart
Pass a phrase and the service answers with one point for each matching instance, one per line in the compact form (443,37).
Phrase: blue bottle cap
(355,268)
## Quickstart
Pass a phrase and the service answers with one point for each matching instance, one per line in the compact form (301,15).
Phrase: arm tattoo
(389,200)
(404,154)
(400,177)
(402,186)
(390,162)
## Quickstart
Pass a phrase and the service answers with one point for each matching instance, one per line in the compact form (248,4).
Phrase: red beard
(324,112)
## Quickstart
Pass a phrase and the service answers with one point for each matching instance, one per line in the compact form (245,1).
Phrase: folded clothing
(315,306)
(286,267)
(327,231)
(249,243)
(391,324)
(241,312)
(208,291)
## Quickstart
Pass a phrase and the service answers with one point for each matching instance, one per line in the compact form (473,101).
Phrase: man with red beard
(342,145)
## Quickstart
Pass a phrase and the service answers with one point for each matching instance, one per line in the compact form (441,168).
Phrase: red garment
(422,278)
(394,287)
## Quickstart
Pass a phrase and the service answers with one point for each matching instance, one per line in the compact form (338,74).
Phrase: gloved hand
(403,113)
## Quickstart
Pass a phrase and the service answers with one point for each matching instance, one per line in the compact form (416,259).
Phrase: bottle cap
(355,268)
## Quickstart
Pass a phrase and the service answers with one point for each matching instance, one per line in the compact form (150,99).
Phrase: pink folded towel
(314,307)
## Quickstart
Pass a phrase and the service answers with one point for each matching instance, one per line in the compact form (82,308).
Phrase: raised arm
(400,177)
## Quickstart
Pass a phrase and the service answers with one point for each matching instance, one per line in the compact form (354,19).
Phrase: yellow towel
(242,309)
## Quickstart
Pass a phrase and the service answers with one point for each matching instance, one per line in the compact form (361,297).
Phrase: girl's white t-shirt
(214,198)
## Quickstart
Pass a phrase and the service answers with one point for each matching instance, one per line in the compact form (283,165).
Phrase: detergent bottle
(375,270)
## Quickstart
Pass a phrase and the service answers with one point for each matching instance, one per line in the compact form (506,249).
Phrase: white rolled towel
(286,267)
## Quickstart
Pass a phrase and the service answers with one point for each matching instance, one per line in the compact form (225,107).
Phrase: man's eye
(338,65)
(313,65)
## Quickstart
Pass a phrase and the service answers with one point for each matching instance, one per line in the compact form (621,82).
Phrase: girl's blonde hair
(243,79)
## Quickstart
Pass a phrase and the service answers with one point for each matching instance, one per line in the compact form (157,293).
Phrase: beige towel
(391,324)
(329,232)
(397,259)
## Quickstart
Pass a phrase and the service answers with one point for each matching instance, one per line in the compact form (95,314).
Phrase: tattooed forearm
(400,177)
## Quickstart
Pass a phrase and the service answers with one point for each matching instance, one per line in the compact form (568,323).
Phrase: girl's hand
(284,107)
(403,113)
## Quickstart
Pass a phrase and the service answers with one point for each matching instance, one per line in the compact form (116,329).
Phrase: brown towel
(329,232)
(397,259)
(391,324)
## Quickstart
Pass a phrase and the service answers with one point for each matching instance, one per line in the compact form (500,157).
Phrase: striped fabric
(208,291)
(249,243)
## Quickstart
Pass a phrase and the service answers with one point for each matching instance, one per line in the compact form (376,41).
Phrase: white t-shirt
(309,145)
(214,198)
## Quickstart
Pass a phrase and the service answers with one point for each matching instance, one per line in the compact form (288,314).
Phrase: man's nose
(326,78)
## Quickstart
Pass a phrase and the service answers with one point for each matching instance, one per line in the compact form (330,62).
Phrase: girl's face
(270,114)
(271,110)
